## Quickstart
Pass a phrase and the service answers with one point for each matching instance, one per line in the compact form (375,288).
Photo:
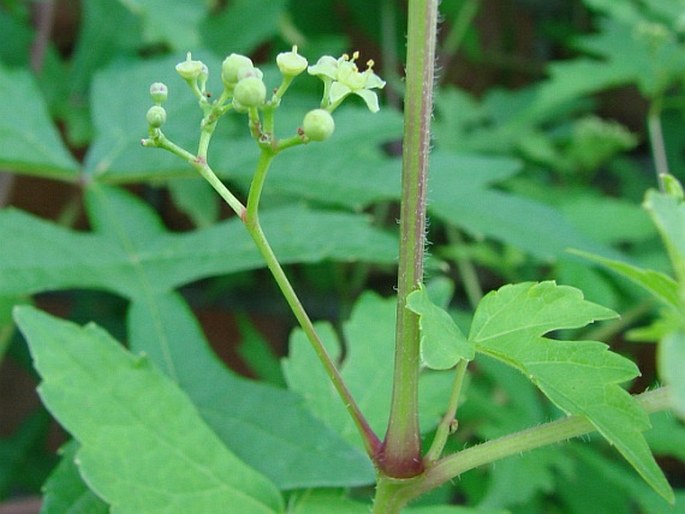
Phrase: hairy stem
(401,455)
(513,444)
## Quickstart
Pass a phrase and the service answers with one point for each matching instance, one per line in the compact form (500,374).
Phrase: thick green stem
(251,220)
(401,456)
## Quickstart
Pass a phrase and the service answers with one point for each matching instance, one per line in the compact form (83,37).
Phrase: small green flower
(342,78)
(190,70)
(318,125)
(291,63)
(159,93)
(156,116)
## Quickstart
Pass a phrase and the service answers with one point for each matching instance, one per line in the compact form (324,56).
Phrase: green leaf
(627,54)
(30,142)
(671,357)
(369,345)
(131,254)
(65,491)
(610,482)
(579,77)
(652,61)
(579,377)
(266,427)
(663,287)
(144,448)
(171,22)
(517,480)
(442,343)
(668,214)
(597,481)
(243,26)
(621,220)
(107,31)
(459,195)
(258,354)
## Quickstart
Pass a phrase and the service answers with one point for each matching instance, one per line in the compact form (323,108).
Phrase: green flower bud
(231,66)
(291,63)
(156,116)
(250,92)
(158,92)
(189,69)
(318,125)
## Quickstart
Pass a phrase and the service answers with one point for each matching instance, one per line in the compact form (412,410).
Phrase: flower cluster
(244,91)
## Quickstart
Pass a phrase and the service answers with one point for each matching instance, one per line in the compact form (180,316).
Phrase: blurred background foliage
(551,119)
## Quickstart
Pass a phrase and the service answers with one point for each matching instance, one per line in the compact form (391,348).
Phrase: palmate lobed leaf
(30,142)
(581,378)
(175,23)
(668,215)
(459,195)
(130,252)
(268,428)
(243,25)
(144,448)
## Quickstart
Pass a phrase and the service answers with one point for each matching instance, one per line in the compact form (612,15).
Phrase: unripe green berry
(231,66)
(158,92)
(250,92)
(318,125)
(156,116)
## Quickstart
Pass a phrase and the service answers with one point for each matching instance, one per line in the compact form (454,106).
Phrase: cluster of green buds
(244,91)
(243,81)
(156,115)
